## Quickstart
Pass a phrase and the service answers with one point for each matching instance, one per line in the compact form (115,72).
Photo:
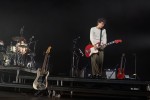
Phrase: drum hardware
(17,52)
(31,54)
(11,49)
(31,63)
(23,46)
(19,59)
(4,59)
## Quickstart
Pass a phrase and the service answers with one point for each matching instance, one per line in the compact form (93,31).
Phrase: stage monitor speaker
(110,73)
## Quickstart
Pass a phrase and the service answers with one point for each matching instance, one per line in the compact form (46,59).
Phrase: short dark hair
(101,20)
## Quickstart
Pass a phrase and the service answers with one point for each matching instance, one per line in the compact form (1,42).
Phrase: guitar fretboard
(110,43)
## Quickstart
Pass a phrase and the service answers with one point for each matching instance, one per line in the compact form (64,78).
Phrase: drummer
(22,46)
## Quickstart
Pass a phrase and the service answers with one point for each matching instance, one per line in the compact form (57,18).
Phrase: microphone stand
(74,67)
(73,60)
(31,64)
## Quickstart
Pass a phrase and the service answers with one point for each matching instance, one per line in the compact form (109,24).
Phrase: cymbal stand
(16,56)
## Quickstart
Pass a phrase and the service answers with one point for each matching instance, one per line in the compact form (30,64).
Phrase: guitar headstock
(118,41)
(48,49)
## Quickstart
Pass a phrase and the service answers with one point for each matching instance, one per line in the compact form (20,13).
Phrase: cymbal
(23,46)
(17,38)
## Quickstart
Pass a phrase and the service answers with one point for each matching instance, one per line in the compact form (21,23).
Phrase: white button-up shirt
(95,36)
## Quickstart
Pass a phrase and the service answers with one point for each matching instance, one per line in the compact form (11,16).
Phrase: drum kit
(17,53)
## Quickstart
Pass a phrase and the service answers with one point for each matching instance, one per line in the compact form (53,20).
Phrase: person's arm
(92,38)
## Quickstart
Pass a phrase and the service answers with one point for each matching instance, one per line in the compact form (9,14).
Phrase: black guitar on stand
(41,83)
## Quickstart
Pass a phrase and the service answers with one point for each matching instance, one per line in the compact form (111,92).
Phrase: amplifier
(110,73)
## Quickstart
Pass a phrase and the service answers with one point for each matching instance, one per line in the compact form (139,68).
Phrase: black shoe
(98,76)
(89,76)
(94,76)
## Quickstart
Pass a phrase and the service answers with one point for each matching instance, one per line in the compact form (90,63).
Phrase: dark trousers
(97,63)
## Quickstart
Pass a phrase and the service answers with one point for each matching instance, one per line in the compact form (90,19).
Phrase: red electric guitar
(89,49)
(121,74)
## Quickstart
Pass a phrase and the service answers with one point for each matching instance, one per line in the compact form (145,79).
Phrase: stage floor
(5,95)
(70,87)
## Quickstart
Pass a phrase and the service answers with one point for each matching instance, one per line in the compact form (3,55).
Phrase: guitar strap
(100,36)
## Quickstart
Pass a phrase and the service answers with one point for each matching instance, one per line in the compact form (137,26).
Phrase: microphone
(81,52)
(76,38)
(31,38)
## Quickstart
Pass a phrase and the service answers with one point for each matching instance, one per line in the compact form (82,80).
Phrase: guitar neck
(122,60)
(109,43)
(45,62)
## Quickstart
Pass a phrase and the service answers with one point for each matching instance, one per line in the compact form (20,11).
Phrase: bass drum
(4,59)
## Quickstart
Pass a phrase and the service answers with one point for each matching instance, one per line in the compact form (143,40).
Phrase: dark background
(58,22)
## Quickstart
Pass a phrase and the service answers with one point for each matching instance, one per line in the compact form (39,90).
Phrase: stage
(21,80)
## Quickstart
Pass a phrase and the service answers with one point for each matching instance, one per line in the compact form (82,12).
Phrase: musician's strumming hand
(95,46)
(102,47)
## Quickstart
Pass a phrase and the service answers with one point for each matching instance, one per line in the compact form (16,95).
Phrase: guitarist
(98,37)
